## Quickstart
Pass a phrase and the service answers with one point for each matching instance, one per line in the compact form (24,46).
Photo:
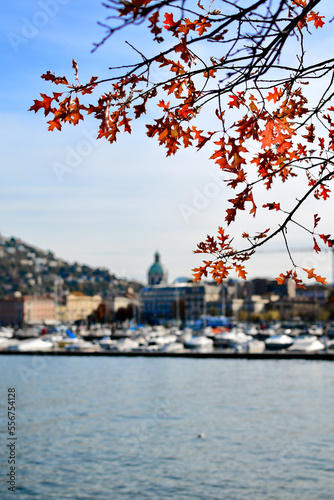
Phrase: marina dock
(218,354)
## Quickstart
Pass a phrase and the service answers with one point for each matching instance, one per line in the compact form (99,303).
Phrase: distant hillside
(27,269)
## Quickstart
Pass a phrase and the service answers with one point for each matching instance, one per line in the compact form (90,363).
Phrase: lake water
(127,428)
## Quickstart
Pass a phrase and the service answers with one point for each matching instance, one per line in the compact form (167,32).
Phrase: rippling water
(127,428)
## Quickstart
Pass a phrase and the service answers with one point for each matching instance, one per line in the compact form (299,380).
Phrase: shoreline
(318,356)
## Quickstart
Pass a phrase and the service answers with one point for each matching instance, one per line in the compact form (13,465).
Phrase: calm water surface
(127,428)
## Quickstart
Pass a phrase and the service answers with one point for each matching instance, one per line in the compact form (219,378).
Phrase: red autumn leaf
(222,236)
(274,96)
(237,100)
(163,105)
(139,109)
(316,246)
(326,238)
(272,206)
(316,220)
(44,104)
(203,26)
(276,131)
(324,191)
(169,22)
(48,76)
(282,278)
(262,234)
(199,272)
(311,274)
(310,135)
(298,282)
(54,124)
(75,67)
(317,20)
(182,47)
(155,29)
(241,271)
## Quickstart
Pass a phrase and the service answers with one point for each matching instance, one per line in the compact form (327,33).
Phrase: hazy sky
(119,203)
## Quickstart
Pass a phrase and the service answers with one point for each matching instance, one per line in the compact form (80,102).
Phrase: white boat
(35,345)
(231,338)
(30,332)
(6,332)
(8,343)
(208,331)
(278,342)
(161,340)
(330,344)
(106,343)
(266,333)
(94,332)
(307,343)
(158,331)
(255,346)
(199,341)
(251,330)
(172,347)
(148,348)
(126,344)
(316,330)
(185,336)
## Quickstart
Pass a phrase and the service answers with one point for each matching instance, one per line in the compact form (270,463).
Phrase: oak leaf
(241,271)
(274,96)
(282,278)
(316,246)
(311,274)
(272,206)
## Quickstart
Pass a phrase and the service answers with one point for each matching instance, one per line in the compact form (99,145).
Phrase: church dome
(156,273)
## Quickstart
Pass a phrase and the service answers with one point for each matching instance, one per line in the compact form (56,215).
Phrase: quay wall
(319,356)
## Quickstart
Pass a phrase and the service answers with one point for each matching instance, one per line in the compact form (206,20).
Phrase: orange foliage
(276,117)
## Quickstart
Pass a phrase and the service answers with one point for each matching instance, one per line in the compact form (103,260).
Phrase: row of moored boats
(238,337)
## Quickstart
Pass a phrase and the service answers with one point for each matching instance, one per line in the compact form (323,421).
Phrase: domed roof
(183,279)
(156,268)
(156,273)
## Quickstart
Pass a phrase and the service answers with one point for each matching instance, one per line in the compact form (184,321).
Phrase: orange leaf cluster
(226,258)
(292,274)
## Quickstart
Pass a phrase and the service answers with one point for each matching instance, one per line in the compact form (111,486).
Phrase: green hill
(27,269)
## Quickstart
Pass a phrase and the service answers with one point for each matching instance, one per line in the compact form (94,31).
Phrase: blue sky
(116,204)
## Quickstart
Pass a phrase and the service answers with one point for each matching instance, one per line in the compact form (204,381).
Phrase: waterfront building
(79,306)
(302,307)
(179,301)
(161,302)
(20,311)
(309,303)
